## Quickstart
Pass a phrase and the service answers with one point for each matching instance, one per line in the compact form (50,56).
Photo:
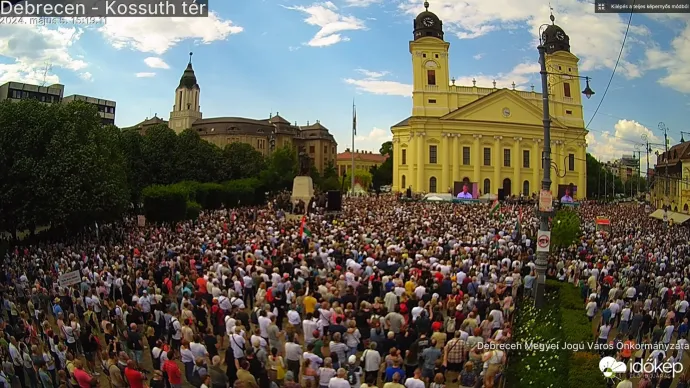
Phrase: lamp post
(542,257)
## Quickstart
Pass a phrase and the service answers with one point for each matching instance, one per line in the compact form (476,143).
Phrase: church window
(404,157)
(525,158)
(432,101)
(424,55)
(465,156)
(571,162)
(402,182)
(436,55)
(312,149)
(487,156)
(487,186)
(566,89)
(432,184)
(569,112)
(431,77)
(559,68)
(506,157)
(433,154)
(525,188)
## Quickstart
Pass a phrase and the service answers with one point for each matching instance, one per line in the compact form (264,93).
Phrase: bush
(193,210)
(584,371)
(165,203)
(243,192)
(215,194)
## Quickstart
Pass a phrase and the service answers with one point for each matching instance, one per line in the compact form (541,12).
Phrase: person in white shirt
(591,309)
(416,381)
(308,327)
(238,343)
(264,321)
(176,334)
(340,380)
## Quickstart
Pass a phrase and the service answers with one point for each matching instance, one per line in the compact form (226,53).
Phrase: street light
(543,257)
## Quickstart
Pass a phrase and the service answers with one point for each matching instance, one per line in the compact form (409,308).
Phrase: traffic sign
(543,241)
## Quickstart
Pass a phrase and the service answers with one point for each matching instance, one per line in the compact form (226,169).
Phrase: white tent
(489,197)
(433,198)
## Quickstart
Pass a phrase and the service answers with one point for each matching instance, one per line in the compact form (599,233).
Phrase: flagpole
(354,131)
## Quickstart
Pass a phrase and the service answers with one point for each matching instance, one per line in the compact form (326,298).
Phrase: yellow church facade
(484,135)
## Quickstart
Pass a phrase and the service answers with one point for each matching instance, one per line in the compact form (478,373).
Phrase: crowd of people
(385,293)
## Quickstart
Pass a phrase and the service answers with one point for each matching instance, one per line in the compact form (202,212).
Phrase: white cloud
(294,48)
(158,35)
(625,138)
(674,62)
(478,56)
(86,76)
(373,81)
(145,75)
(362,3)
(370,141)
(35,49)
(156,63)
(325,15)
(595,38)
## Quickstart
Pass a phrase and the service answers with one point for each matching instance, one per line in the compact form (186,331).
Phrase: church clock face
(428,22)
(560,35)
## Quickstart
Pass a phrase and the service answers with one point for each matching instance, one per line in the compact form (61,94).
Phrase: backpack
(171,326)
(450,325)
(352,376)
(255,316)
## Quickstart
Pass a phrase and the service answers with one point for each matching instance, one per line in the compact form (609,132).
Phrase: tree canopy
(61,168)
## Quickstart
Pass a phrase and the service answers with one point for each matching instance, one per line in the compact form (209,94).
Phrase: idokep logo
(610,367)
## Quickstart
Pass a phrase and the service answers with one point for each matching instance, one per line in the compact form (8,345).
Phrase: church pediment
(501,106)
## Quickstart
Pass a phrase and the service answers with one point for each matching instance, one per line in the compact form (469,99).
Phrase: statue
(304,162)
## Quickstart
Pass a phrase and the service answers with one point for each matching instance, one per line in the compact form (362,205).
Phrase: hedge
(185,200)
(561,321)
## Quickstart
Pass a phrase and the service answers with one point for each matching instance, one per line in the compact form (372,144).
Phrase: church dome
(428,24)
(554,38)
(188,79)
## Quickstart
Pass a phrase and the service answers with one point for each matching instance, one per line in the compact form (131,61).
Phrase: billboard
(567,193)
(465,190)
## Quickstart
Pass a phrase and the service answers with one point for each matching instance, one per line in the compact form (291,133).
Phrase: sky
(308,61)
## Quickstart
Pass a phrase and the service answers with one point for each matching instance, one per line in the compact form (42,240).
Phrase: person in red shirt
(135,378)
(171,368)
(80,375)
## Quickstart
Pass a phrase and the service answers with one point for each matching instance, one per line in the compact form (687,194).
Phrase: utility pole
(639,175)
(662,127)
(648,149)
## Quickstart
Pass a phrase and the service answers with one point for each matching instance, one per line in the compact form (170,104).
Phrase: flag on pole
(304,232)
(354,119)
(494,208)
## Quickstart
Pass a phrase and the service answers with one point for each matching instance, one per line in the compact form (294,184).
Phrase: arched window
(487,186)
(432,184)
(675,209)
(525,188)
(507,187)
(465,181)
(403,184)
(685,208)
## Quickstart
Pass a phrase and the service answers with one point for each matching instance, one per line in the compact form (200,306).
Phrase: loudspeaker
(335,202)
(501,194)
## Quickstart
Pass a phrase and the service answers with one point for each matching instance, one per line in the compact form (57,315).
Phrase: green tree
(243,161)
(362,177)
(387,149)
(565,228)
(132,144)
(160,155)
(281,169)
(198,160)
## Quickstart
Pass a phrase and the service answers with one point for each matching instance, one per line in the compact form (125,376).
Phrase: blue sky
(309,60)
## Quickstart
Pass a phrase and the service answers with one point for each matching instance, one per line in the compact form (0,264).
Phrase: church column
(582,174)
(421,152)
(411,149)
(457,160)
(444,165)
(561,163)
(498,162)
(516,164)
(535,186)
(396,161)
(478,161)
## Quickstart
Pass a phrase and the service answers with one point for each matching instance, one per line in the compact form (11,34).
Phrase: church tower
(563,78)
(430,71)
(186,109)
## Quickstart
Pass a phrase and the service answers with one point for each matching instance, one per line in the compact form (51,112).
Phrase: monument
(303,185)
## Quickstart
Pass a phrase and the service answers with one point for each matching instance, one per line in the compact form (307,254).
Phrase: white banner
(69,278)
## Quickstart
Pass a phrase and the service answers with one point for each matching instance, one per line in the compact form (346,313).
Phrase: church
(265,135)
(487,138)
